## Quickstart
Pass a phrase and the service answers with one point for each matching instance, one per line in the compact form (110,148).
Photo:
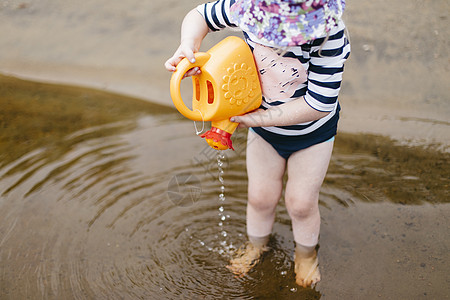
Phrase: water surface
(108,197)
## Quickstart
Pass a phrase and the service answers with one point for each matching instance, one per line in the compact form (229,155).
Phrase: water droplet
(283,273)
(223,244)
(294,289)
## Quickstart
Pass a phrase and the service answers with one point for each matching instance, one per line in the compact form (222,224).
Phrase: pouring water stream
(228,246)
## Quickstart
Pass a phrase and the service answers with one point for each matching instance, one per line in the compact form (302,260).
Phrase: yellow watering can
(227,86)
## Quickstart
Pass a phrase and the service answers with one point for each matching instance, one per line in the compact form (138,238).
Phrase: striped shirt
(321,60)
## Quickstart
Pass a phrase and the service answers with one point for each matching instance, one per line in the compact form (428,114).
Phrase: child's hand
(184,50)
(290,113)
(241,120)
(193,30)
(248,120)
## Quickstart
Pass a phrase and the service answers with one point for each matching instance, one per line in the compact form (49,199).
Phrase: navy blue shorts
(286,145)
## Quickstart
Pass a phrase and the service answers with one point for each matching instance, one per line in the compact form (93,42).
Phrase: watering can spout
(227,86)
(219,137)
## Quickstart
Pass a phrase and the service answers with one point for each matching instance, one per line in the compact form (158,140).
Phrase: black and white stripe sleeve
(217,14)
(326,67)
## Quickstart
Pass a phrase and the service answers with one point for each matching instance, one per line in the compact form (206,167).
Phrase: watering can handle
(185,65)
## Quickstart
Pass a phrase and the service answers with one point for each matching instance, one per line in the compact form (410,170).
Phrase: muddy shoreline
(84,211)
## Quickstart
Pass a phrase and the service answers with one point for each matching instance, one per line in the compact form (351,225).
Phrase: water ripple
(94,216)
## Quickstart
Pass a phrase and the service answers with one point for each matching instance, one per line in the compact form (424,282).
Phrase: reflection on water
(87,205)
(373,169)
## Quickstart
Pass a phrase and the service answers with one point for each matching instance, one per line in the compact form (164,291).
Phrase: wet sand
(384,207)
(85,211)
(396,81)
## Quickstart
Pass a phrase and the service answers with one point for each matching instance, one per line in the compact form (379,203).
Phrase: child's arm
(193,30)
(294,112)
(323,87)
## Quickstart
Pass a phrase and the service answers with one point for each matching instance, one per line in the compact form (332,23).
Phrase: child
(300,48)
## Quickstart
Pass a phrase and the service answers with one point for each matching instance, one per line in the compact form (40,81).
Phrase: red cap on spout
(218,139)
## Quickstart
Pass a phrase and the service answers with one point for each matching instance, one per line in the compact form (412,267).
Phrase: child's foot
(246,259)
(306,269)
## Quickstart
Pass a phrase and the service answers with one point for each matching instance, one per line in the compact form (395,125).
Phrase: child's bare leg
(265,170)
(306,171)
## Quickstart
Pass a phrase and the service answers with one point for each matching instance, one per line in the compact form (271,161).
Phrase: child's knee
(263,199)
(301,207)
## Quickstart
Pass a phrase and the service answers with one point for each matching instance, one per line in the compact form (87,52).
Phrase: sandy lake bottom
(89,208)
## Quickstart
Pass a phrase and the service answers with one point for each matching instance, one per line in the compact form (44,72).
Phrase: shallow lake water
(108,197)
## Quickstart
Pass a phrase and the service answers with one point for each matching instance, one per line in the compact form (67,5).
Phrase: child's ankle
(259,242)
(305,251)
